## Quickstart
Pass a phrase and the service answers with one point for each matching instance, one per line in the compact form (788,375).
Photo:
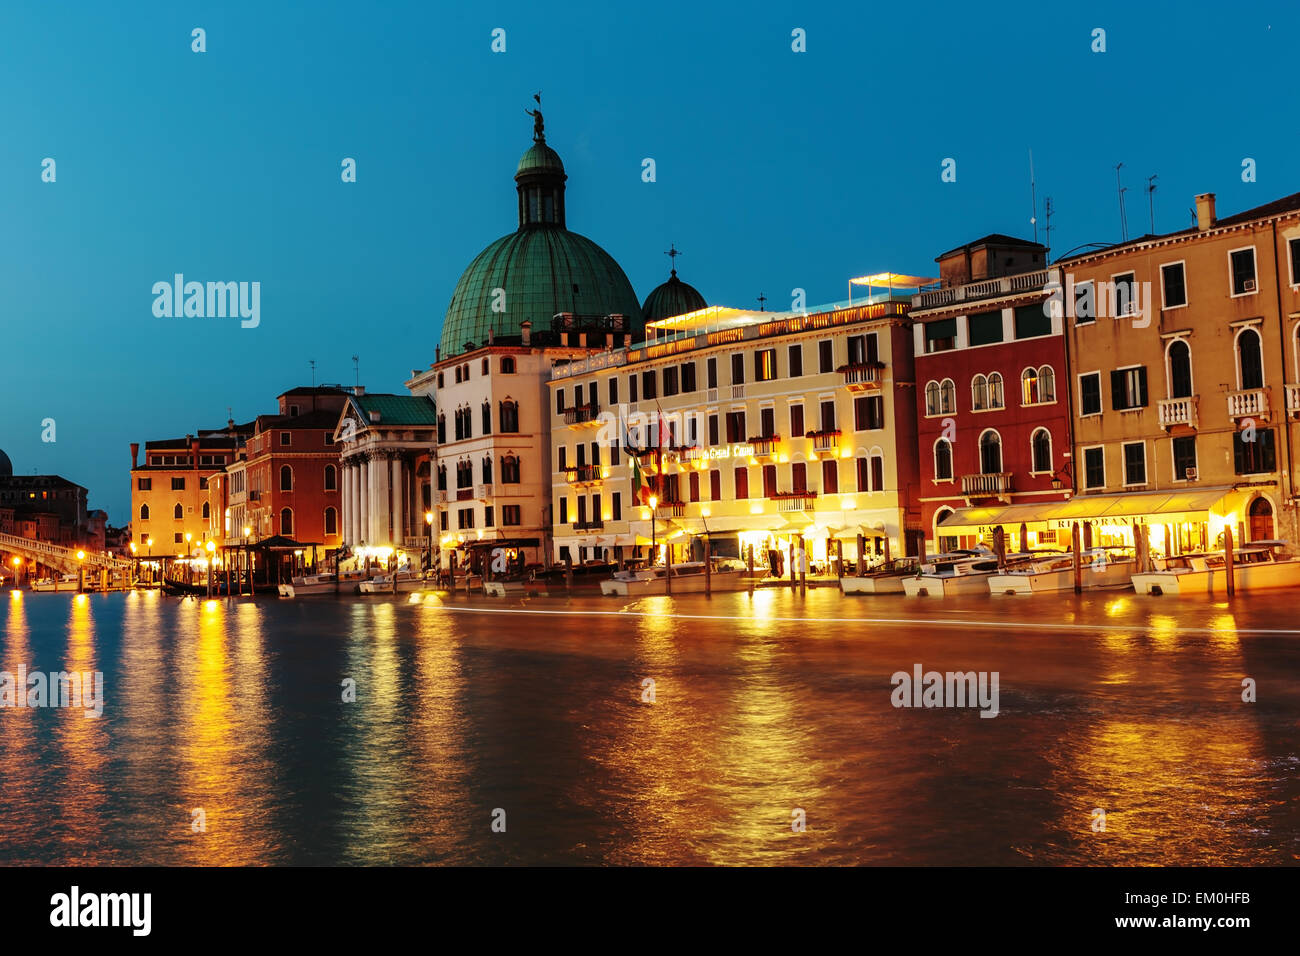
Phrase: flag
(640,486)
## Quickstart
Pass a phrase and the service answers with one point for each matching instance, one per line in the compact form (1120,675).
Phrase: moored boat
(687,578)
(884,580)
(406,581)
(326,583)
(1098,568)
(966,573)
(65,582)
(1258,566)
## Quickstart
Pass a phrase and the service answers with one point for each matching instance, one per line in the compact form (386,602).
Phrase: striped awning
(1144,507)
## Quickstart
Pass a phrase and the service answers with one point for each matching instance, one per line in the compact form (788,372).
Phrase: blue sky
(775,169)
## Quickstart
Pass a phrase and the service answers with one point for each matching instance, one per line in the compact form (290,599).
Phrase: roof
(205,441)
(537,158)
(993,239)
(315,390)
(670,298)
(324,418)
(397,409)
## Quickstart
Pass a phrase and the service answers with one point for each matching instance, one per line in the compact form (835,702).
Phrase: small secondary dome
(673,297)
(6,466)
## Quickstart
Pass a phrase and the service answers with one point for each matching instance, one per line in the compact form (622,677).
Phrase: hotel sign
(732,451)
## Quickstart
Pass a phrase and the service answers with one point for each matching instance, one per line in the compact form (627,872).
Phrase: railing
(1178,411)
(764,445)
(673,509)
(57,556)
(738,391)
(591,524)
(465,494)
(1249,402)
(825,440)
(593,363)
(866,375)
(977,485)
(794,500)
(582,414)
(483,491)
(711,395)
(442,496)
(1293,399)
(582,473)
(987,289)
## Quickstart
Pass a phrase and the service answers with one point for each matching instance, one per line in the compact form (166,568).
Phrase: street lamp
(18,565)
(81,572)
(211,548)
(654,546)
(428,551)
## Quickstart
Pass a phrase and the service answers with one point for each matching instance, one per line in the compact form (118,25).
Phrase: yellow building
(1184,363)
(756,429)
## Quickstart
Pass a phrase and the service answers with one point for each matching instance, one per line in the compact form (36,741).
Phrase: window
(203,482)
(178,484)
(941,397)
(144,512)
(1085,303)
(996,399)
(631,388)
(979,393)
(863,349)
(670,380)
(330,478)
(796,421)
(286,521)
(826,356)
(1090,393)
(1040,451)
(178,537)
(767,422)
(830,476)
(613,390)
(509,416)
(828,415)
(1135,463)
(1037,385)
(485,469)
(178,513)
(1250,361)
(943,460)
(485,415)
(484,369)
(737,369)
(742,482)
(1184,451)
(649,385)
(769,481)
(735,427)
(764,365)
(457,374)
(564,457)
(864,474)
(1242,265)
(595,454)
(799,476)
(1128,387)
(877,472)
(715,485)
(564,510)
(940,336)
(1293,246)
(695,486)
(796,360)
(1173,285)
(286,478)
(442,429)
(1032,321)
(1180,369)
(510,470)
(711,376)
(507,365)
(559,401)
(984,328)
(144,484)
(713,429)
(688,377)
(328,438)
(440,381)
(1255,457)
(465,518)
(990,453)
(1094,467)
(464,473)
(442,520)
(1124,291)
(868,412)
(331,521)
(489,516)
(615,506)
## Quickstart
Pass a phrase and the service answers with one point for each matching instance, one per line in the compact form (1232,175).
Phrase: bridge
(59,559)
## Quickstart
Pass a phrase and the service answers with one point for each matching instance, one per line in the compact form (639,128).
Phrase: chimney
(526,328)
(437,353)
(489,336)
(1205,212)
(135,453)
(194,447)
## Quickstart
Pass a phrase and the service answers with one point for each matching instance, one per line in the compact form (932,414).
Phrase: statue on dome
(538,134)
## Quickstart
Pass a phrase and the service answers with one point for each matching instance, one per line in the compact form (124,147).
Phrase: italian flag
(640,484)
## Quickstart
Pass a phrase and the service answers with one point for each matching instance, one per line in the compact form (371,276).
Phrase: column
(399,503)
(379,518)
(363,500)
(354,497)
(345,500)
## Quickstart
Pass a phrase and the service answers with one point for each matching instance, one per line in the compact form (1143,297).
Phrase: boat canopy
(1142,507)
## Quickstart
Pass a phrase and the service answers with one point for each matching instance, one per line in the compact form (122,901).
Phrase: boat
(1098,568)
(66,582)
(1258,566)
(405,581)
(968,573)
(886,579)
(175,588)
(325,583)
(687,578)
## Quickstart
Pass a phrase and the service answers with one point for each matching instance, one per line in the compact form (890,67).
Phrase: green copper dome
(541,268)
(674,297)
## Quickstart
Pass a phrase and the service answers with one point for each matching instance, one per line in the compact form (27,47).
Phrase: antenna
(1033,197)
(1151,201)
(1047,224)
(312,363)
(1123,220)
(356,371)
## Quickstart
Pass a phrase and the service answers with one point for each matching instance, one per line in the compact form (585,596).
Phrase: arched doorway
(943,542)
(1261,520)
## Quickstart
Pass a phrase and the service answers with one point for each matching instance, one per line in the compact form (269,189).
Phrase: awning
(1143,507)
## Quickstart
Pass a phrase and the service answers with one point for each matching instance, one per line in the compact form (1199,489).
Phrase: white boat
(887,579)
(688,578)
(1255,567)
(1098,568)
(966,573)
(309,584)
(66,582)
(384,584)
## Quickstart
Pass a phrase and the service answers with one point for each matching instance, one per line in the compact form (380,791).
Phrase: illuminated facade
(171,504)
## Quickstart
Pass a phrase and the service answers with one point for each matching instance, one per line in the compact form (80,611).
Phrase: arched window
(877,470)
(331,521)
(207,511)
(995,391)
(1029,387)
(485,366)
(944,542)
(487,418)
(286,521)
(979,393)
(457,374)
(948,397)
(442,477)
(464,473)
(510,470)
(1040,448)
(178,512)
(932,398)
(286,478)
(331,478)
(509,415)
(1250,362)
(1180,369)
(943,460)
(144,512)
(487,470)
(507,365)
(990,453)
(442,428)
(1046,384)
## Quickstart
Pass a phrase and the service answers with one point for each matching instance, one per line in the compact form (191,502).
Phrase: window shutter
(1117,390)
(1142,386)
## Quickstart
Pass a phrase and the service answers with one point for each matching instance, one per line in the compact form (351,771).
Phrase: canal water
(767,710)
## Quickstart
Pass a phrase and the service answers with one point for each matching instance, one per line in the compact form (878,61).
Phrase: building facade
(172,511)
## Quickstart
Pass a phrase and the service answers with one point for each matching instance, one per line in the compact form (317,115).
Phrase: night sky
(775,169)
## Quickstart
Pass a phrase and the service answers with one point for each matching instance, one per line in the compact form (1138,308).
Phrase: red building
(993,395)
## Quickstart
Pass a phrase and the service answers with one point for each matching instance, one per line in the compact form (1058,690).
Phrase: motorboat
(401,582)
(967,573)
(325,583)
(886,579)
(687,578)
(1258,566)
(65,582)
(1098,568)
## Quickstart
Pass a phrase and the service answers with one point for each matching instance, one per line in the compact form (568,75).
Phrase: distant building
(46,508)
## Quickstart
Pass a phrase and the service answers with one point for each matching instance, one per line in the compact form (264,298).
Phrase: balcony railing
(1293,399)
(861,377)
(824,440)
(978,486)
(577,474)
(1178,411)
(442,496)
(988,289)
(1248,403)
(738,391)
(465,494)
(591,524)
(764,445)
(670,509)
(794,500)
(483,491)
(582,414)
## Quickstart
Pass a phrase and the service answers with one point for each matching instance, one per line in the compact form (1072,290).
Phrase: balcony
(442,496)
(794,500)
(483,492)
(1293,400)
(988,289)
(1248,403)
(825,440)
(670,509)
(582,474)
(1178,411)
(582,414)
(860,378)
(711,395)
(986,486)
(465,494)
(590,524)
(764,445)
(737,391)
